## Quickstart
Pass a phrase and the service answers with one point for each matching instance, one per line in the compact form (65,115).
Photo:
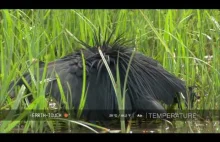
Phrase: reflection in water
(144,127)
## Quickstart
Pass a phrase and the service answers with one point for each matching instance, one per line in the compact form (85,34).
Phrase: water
(136,127)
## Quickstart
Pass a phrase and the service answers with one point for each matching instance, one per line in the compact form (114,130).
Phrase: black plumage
(148,82)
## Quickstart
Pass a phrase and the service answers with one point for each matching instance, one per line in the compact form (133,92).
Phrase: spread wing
(147,82)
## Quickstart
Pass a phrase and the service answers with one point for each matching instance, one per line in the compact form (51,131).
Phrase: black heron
(148,82)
